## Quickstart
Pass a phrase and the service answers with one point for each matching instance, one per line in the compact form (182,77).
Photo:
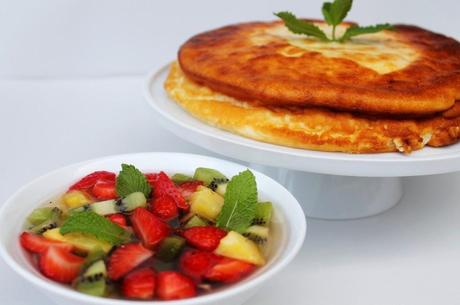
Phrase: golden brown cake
(383,92)
(406,71)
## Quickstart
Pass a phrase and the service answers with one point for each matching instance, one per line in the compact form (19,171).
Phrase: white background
(71,77)
(57,38)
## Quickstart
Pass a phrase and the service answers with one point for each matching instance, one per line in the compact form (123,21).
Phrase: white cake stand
(329,185)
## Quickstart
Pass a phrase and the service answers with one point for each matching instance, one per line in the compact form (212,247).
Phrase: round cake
(389,91)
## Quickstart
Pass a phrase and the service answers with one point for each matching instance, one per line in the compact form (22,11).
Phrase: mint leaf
(97,225)
(356,30)
(131,180)
(326,9)
(240,203)
(298,26)
(335,12)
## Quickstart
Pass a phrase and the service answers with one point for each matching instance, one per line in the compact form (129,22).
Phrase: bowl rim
(284,258)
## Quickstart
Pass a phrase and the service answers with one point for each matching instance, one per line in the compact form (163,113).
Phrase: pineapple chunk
(206,203)
(81,241)
(236,246)
(75,199)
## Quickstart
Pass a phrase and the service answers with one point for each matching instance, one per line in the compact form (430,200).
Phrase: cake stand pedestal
(337,197)
(328,185)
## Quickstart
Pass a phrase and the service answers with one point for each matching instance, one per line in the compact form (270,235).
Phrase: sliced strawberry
(196,263)
(164,207)
(90,180)
(104,189)
(139,284)
(149,228)
(60,265)
(204,238)
(162,185)
(172,285)
(38,244)
(118,219)
(150,178)
(229,270)
(125,258)
(188,188)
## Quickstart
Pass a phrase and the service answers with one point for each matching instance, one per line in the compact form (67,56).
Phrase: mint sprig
(131,180)
(298,26)
(91,223)
(240,202)
(334,13)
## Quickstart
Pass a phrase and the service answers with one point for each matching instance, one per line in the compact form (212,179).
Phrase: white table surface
(408,255)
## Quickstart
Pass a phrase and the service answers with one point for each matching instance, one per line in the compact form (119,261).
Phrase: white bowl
(288,233)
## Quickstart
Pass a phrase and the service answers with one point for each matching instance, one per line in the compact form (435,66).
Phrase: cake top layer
(406,71)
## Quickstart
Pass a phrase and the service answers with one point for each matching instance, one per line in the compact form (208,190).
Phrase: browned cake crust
(407,71)
(312,127)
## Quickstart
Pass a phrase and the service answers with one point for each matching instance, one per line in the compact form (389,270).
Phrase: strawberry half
(172,285)
(90,180)
(196,263)
(139,284)
(162,185)
(38,244)
(118,219)
(229,270)
(60,265)
(164,207)
(186,189)
(125,258)
(105,189)
(149,228)
(204,238)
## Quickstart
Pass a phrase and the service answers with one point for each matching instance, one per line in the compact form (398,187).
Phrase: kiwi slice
(96,268)
(219,185)
(45,226)
(95,255)
(170,248)
(195,221)
(180,178)
(93,286)
(263,215)
(107,207)
(40,215)
(93,280)
(208,175)
(53,221)
(258,234)
(132,201)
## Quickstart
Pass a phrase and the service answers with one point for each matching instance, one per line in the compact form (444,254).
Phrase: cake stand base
(337,197)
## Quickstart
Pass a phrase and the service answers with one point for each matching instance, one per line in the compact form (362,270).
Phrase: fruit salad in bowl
(142,231)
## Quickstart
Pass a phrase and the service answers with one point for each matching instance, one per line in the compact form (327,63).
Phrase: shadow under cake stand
(328,185)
